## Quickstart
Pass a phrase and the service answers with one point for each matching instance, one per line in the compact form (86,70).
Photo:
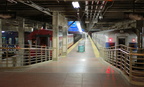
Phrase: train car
(10,40)
(115,37)
(40,37)
(70,40)
(43,37)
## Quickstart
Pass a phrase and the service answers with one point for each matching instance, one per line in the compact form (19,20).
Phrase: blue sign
(73,26)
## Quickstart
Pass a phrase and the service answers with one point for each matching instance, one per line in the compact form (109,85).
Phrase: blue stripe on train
(109,44)
(134,45)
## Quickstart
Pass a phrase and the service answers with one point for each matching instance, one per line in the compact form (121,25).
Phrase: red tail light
(133,40)
(110,40)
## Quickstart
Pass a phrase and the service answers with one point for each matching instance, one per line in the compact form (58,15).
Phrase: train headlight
(110,40)
(133,40)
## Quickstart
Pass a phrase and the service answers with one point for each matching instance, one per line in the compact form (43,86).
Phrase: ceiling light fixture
(75,4)
(79,26)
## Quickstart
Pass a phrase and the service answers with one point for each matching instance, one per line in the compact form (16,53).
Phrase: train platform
(78,69)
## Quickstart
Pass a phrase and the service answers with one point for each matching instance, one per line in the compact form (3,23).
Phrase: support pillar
(139,27)
(21,42)
(0,40)
(65,30)
(55,42)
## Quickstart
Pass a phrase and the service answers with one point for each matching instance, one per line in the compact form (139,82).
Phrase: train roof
(117,31)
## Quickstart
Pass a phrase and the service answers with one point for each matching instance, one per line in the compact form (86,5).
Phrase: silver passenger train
(115,37)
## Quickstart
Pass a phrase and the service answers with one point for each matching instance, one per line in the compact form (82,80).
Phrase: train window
(10,41)
(16,40)
(121,41)
(3,40)
(60,44)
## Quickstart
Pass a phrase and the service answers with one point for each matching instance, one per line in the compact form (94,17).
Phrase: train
(111,38)
(38,37)
(32,41)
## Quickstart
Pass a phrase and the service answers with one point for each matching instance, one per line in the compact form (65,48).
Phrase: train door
(120,40)
(43,41)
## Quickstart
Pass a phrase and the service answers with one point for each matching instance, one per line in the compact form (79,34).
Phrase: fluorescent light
(83,59)
(2,31)
(79,26)
(75,4)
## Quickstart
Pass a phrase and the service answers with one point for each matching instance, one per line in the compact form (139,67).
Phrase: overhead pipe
(96,10)
(91,10)
(91,21)
(86,11)
(86,8)
(95,17)
(108,8)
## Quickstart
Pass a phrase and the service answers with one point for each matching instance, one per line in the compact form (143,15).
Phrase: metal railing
(129,60)
(19,57)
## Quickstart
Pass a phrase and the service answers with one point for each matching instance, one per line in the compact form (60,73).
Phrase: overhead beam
(33,5)
(82,0)
(124,25)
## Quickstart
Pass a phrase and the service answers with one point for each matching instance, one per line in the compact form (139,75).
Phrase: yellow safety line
(96,52)
(70,49)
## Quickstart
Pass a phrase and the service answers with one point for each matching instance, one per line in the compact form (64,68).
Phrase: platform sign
(73,26)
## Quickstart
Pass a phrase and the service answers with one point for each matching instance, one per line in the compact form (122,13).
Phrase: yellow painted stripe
(96,52)
(70,49)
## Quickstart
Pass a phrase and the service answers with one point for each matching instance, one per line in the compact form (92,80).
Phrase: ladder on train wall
(20,57)
(129,60)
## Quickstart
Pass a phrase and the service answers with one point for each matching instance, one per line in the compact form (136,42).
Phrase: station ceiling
(94,14)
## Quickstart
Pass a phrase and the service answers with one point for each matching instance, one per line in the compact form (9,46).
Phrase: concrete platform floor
(75,70)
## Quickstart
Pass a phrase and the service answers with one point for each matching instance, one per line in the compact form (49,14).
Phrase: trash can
(81,46)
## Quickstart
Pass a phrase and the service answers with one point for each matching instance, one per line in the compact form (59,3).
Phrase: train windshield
(121,41)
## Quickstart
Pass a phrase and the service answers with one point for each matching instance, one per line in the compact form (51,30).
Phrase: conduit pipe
(95,17)
(86,9)
(91,10)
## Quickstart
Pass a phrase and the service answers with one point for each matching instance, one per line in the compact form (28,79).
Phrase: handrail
(19,57)
(129,60)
